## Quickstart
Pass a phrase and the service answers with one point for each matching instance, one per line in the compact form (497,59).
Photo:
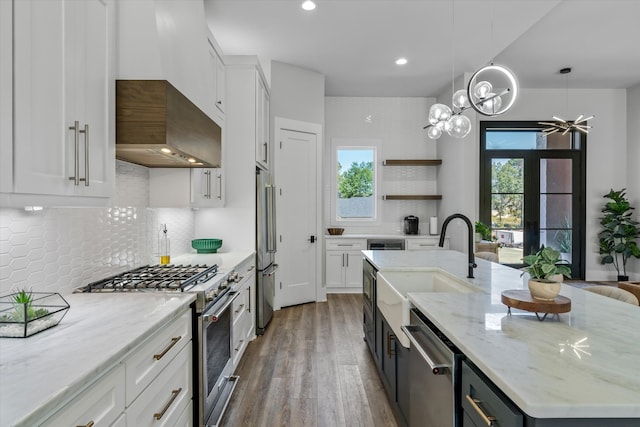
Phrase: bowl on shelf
(206,246)
(335,231)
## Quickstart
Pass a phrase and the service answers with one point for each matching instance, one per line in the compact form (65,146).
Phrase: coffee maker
(411,224)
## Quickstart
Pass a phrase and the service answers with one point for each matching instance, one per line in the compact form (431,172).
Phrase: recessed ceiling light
(308,5)
(401,61)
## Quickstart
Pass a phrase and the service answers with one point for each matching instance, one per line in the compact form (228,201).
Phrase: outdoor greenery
(507,188)
(357,181)
(618,240)
(545,263)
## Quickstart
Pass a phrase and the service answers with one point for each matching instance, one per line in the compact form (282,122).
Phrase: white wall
(633,162)
(606,146)
(296,93)
(398,122)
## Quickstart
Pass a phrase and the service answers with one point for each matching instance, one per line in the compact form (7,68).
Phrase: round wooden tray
(522,299)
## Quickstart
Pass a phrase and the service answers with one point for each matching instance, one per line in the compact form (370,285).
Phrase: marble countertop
(584,364)
(40,372)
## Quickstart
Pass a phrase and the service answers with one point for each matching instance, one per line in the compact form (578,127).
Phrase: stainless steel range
(214,381)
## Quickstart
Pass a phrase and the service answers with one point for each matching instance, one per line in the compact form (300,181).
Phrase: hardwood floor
(310,368)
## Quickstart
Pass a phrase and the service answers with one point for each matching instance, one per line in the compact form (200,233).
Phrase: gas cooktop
(154,278)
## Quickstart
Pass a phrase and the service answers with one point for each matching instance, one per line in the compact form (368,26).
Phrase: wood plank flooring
(310,368)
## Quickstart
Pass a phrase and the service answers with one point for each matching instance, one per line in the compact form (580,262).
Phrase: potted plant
(618,240)
(546,271)
(483,231)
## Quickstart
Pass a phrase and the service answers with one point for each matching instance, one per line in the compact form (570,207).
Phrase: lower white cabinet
(155,354)
(151,386)
(101,404)
(243,313)
(163,402)
(343,263)
(424,244)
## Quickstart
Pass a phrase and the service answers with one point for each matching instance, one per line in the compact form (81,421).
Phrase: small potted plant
(618,240)
(483,231)
(25,313)
(546,272)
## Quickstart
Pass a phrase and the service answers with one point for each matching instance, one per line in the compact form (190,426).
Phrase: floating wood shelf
(412,162)
(411,197)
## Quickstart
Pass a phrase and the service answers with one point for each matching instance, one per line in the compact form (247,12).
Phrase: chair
(615,293)
(489,256)
(633,287)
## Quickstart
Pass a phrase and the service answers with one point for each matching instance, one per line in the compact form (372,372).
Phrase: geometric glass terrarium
(25,313)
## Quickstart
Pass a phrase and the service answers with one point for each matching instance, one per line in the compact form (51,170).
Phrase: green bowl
(206,246)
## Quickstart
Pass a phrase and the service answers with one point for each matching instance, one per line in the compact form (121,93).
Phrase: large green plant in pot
(619,239)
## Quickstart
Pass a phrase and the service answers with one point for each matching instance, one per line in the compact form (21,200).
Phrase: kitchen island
(585,364)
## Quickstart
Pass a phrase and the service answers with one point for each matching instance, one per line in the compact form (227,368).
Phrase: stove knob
(233,276)
(224,285)
(209,296)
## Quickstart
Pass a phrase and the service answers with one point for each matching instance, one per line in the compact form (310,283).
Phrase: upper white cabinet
(263,148)
(217,73)
(184,187)
(169,40)
(63,128)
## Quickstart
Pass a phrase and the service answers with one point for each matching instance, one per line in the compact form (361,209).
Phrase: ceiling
(354,43)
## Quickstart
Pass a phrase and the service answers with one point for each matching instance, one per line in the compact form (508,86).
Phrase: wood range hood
(158,127)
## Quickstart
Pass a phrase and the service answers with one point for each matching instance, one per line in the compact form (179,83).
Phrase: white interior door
(296,217)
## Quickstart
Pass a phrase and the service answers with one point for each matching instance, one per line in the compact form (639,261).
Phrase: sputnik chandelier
(566,126)
(492,90)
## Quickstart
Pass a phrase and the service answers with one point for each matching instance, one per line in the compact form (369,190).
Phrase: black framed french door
(532,191)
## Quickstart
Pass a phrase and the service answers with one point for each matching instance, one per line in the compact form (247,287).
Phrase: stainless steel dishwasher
(434,375)
(385,244)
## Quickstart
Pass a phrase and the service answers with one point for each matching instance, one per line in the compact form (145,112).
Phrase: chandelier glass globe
(491,106)
(460,99)
(439,113)
(482,89)
(434,133)
(459,126)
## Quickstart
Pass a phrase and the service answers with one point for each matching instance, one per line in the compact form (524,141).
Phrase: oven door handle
(217,312)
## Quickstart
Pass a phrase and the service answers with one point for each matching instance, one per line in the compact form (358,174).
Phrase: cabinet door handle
(264,152)
(207,191)
(173,342)
(239,309)
(86,155)
(76,148)
(488,419)
(219,187)
(239,345)
(174,394)
(89,424)
(390,337)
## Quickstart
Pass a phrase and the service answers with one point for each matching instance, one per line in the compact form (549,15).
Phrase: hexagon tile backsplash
(60,249)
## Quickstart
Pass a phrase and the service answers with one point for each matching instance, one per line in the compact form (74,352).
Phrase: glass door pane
(507,207)
(556,198)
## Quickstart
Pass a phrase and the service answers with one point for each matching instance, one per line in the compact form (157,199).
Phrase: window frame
(355,143)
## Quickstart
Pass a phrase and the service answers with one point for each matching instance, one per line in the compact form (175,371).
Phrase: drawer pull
(239,345)
(239,309)
(488,419)
(89,424)
(174,340)
(174,394)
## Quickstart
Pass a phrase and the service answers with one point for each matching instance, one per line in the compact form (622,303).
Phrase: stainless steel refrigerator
(265,248)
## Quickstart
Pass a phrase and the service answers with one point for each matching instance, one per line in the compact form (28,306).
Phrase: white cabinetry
(263,146)
(243,312)
(63,133)
(218,79)
(424,244)
(100,404)
(343,264)
(207,188)
(182,187)
(152,385)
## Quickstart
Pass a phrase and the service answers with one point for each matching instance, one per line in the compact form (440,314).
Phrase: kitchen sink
(393,286)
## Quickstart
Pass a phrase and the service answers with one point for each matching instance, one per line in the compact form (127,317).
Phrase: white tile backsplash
(59,249)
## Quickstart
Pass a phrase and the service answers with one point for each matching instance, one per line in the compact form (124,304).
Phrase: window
(354,183)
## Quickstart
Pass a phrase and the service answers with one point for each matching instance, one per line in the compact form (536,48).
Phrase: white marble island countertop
(586,364)
(41,372)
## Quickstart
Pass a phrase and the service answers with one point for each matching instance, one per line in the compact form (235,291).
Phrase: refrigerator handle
(271,218)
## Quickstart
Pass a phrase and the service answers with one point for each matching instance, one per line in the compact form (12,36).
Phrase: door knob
(312,239)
